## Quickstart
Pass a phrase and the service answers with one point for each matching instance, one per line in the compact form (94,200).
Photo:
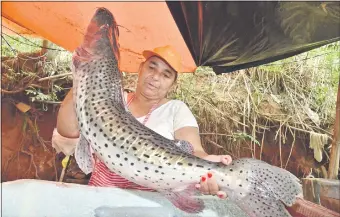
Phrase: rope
(13,50)
(272,64)
(19,34)
(33,44)
(16,52)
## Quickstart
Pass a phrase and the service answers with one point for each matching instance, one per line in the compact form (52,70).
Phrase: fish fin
(279,182)
(83,155)
(126,107)
(185,199)
(75,62)
(261,206)
(184,146)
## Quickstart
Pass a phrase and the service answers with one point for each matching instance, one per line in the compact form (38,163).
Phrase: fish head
(101,39)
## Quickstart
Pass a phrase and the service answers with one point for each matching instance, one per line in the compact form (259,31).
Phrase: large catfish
(142,156)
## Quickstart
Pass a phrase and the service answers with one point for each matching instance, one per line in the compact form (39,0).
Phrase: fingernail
(203,178)
(209,175)
(220,195)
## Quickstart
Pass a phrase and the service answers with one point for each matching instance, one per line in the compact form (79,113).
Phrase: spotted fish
(142,156)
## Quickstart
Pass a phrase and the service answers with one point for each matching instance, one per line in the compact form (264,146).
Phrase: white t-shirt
(169,117)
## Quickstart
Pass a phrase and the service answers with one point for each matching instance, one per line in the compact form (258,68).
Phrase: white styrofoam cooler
(38,198)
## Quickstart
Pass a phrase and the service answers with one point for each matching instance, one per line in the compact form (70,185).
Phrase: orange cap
(168,54)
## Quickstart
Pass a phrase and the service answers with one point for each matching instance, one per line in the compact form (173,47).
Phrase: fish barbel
(144,157)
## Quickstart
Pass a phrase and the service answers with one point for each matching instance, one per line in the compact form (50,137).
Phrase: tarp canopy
(144,26)
(225,35)
(234,35)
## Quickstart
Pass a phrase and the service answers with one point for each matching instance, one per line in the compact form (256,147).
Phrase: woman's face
(156,78)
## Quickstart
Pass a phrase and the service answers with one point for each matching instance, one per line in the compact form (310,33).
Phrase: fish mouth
(103,16)
(101,37)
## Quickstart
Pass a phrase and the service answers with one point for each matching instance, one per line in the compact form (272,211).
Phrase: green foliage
(244,136)
(316,74)
(56,61)
(35,94)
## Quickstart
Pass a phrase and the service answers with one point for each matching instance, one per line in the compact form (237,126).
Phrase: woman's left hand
(208,184)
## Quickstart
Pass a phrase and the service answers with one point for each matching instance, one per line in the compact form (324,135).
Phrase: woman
(149,105)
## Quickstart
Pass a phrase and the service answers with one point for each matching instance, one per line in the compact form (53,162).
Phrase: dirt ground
(22,157)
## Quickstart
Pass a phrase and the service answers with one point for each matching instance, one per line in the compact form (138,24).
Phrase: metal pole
(335,152)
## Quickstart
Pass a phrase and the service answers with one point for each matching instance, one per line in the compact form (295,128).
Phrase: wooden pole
(335,152)
(55,76)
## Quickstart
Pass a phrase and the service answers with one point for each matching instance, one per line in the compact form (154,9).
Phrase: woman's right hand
(67,124)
